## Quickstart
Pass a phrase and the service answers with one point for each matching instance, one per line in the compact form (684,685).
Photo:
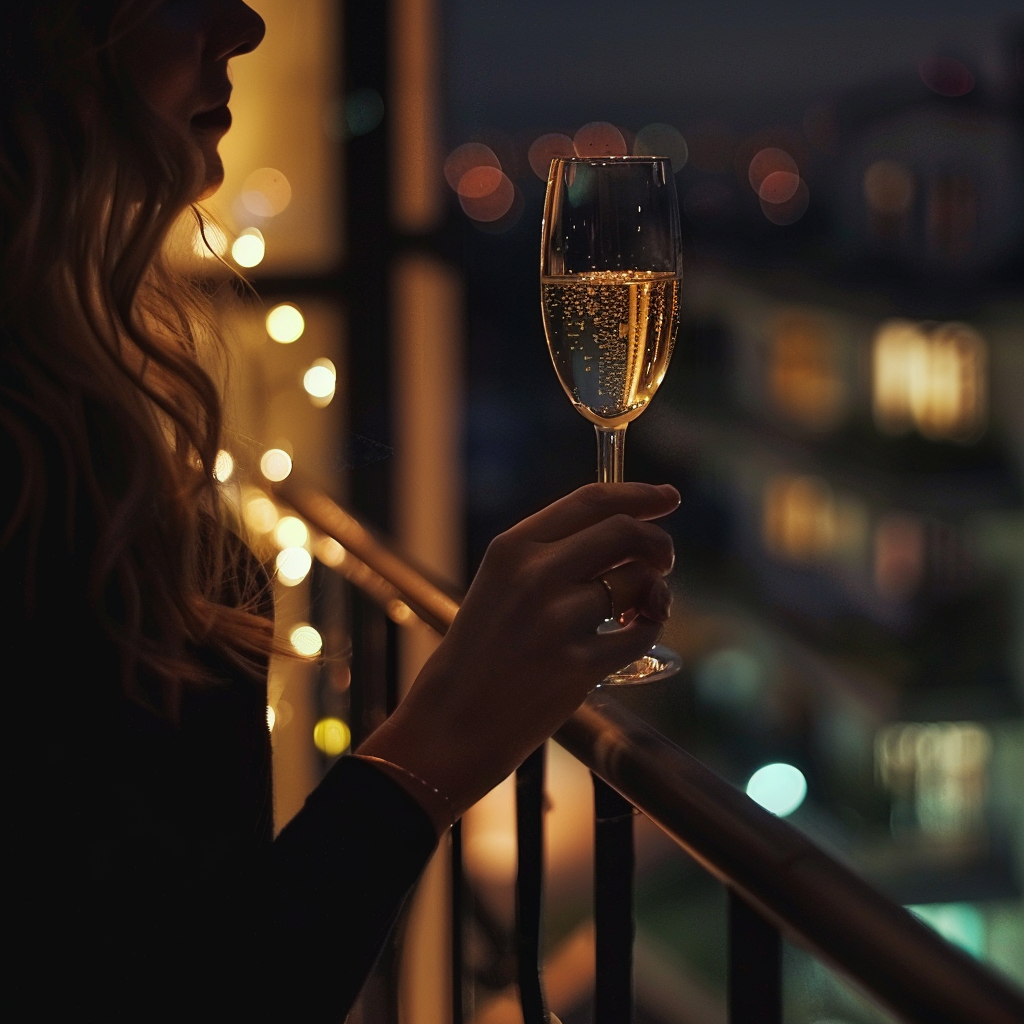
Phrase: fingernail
(659,602)
(670,490)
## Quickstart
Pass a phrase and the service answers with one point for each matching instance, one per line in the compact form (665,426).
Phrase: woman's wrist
(438,806)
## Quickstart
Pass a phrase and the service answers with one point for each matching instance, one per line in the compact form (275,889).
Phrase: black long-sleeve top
(143,881)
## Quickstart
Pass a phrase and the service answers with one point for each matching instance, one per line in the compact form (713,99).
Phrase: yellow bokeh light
(306,641)
(259,512)
(276,464)
(285,323)
(933,378)
(224,466)
(266,192)
(320,380)
(293,565)
(291,532)
(271,718)
(331,736)
(249,248)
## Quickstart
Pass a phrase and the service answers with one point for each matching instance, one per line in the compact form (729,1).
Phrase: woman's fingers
(610,543)
(635,589)
(594,503)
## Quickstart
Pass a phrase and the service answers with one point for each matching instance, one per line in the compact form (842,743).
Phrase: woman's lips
(218,119)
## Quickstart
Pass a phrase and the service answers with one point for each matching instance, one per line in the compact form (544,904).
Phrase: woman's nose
(239,29)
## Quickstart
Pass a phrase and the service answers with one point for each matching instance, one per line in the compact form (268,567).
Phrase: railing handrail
(809,895)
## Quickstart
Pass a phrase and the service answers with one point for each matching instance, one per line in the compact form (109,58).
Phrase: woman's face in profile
(178,59)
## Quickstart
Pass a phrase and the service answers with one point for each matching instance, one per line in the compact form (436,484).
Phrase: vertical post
(529,885)
(613,905)
(755,966)
(457,888)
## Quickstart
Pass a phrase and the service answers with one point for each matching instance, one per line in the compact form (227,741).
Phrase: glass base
(658,663)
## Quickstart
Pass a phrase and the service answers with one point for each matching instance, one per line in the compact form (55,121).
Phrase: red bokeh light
(486,193)
(946,75)
(547,148)
(769,161)
(599,138)
(465,158)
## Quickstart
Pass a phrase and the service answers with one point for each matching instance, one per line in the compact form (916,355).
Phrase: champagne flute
(610,268)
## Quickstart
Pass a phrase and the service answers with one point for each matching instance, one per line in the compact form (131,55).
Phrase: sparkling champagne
(610,334)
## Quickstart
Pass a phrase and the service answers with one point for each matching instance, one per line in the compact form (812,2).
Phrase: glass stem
(611,448)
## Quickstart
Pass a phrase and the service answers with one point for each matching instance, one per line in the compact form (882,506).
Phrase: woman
(144,876)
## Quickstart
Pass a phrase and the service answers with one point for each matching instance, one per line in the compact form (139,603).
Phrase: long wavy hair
(104,347)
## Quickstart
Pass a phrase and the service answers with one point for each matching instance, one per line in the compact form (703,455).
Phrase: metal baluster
(613,905)
(458,896)
(529,885)
(755,966)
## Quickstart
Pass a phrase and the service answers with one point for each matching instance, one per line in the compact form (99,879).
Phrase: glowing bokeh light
(547,148)
(792,209)
(889,187)
(331,736)
(259,512)
(465,158)
(662,140)
(946,75)
(779,187)
(306,640)
(767,161)
(276,464)
(779,788)
(249,248)
(599,138)
(293,565)
(285,323)
(223,466)
(291,532)
(266,192)
(320,380)
(271,718)
(486,194)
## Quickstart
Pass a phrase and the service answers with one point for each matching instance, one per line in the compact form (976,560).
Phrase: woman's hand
(523,651)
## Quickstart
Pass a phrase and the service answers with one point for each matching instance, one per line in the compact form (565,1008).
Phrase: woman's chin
(213,177)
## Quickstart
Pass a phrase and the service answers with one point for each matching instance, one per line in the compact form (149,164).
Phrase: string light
(306,640)
(293,565)
(291,532)
(285,323)
(249,248)
(276,464)
(331,736)
(223,466)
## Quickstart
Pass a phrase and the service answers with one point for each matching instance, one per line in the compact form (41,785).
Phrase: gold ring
(611,597)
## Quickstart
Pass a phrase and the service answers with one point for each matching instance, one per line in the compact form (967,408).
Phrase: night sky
(555,64)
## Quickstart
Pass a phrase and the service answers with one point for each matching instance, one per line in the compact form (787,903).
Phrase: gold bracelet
(422,783)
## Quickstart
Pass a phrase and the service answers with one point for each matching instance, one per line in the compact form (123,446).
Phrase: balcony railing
(779,882)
